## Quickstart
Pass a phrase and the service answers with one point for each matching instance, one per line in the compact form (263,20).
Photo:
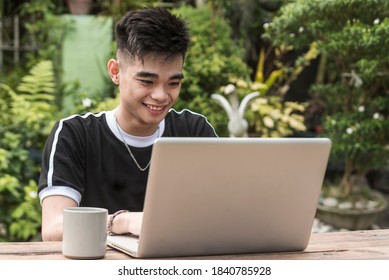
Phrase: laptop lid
(210,196)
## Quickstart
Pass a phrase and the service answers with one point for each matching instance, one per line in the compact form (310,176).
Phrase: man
(102,160)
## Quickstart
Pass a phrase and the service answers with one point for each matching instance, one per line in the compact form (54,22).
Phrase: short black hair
(152,31)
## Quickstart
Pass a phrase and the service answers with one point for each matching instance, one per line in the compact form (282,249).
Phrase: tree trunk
(345,183)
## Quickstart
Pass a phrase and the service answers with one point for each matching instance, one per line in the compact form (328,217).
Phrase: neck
(131,128)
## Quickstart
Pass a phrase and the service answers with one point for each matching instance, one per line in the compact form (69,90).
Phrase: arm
(52,216)
(65,168)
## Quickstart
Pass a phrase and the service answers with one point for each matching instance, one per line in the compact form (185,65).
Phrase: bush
(28,115)
(213,60)
(354,74)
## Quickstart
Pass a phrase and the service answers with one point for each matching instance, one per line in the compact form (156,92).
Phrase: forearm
(53,230)
(52,216)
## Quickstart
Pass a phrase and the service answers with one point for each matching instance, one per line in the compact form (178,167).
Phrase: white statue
(237,124)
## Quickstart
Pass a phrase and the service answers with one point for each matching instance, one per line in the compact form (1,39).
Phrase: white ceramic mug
(84,232)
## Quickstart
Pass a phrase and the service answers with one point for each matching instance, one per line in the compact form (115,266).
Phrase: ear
(113,71)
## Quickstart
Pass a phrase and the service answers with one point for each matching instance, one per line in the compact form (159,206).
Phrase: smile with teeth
(155,108)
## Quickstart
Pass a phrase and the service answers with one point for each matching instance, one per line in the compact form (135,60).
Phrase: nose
(159,93)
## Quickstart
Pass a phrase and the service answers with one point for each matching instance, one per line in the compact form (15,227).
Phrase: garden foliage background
(32,92)
(228,47)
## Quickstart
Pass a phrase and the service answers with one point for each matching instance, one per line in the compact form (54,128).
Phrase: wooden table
(350,245)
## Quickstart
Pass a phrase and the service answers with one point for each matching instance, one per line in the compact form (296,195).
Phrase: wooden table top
(348,245)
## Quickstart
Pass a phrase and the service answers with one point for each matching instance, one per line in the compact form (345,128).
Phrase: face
(148,90)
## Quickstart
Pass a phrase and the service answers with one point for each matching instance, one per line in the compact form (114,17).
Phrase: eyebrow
(145,74)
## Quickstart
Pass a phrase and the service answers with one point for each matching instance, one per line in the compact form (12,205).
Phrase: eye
(145,82)
(175,84)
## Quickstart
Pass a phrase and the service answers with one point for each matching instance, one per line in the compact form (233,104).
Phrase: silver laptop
(211,196)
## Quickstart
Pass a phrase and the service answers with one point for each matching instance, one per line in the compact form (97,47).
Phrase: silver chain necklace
(129,150)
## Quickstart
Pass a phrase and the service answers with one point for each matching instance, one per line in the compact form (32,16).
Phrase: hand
(130,222)
(135,222)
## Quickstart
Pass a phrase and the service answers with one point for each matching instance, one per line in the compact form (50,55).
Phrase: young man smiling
(102,160)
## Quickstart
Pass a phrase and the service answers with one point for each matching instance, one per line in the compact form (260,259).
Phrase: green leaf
(40,83)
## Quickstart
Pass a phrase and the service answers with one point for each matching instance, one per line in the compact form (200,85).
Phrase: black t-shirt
(85,153)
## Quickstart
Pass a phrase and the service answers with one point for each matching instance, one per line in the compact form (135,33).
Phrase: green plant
(270,115)
(45,29)
(117,8)
(28,115)
(354,75)
(40,35)
(274,118)
(213,61)
(265,83)
(26,217)
(246,18)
